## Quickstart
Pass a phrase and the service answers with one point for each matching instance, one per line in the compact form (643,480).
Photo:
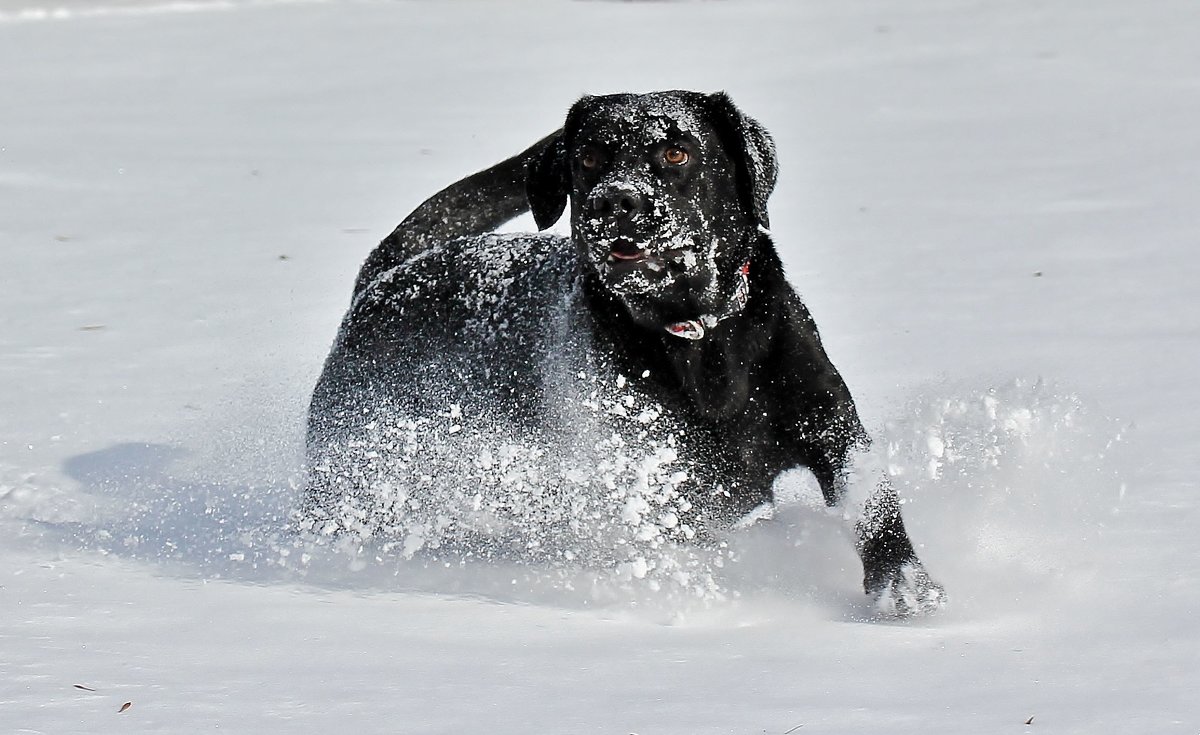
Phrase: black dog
(670,289)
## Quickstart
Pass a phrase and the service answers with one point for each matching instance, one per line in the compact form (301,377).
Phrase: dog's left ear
(548,182)
(753,151)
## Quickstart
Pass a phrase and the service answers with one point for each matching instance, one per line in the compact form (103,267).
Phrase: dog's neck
(697,328)
(711,373)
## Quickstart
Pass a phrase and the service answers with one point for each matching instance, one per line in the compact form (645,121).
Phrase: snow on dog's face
(667,192)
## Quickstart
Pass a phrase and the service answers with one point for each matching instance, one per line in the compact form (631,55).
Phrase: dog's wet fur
(670,277)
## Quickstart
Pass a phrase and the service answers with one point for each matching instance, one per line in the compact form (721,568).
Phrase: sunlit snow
(989,208)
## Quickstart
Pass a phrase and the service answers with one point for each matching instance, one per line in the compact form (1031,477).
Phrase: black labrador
(670,285)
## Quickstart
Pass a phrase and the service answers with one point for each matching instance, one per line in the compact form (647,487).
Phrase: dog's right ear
(548,182)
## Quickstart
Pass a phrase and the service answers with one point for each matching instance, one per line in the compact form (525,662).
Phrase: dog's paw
(907,591)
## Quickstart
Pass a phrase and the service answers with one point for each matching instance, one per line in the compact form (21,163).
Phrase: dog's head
(668,191)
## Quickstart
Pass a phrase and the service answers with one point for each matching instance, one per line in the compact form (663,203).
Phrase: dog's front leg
(819,399)
(892,573)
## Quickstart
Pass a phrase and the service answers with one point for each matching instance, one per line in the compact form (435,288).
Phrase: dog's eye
(676,156)
(589,160)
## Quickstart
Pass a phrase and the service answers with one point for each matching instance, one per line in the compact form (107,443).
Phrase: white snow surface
(988,206)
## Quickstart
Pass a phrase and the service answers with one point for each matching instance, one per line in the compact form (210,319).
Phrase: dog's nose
(621,203)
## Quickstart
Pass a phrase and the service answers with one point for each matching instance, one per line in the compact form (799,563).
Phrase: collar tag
(687,330)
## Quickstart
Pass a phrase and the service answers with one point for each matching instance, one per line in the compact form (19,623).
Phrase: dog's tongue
(626,250)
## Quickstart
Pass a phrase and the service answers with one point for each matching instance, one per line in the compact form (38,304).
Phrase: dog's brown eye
(675,156)
(589,160)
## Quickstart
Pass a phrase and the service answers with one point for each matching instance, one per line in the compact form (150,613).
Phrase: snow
(989,208)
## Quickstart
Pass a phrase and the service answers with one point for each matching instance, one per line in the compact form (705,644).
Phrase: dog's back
(467,322)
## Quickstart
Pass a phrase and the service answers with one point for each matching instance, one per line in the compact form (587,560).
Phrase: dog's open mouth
(623,249)
(647,265)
